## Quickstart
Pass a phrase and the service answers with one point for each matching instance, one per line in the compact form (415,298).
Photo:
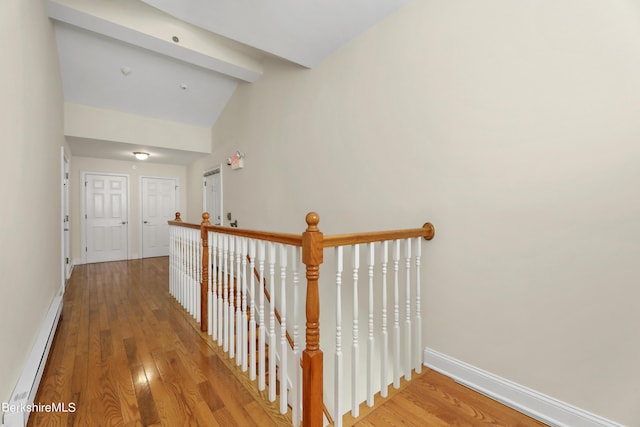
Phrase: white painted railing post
(338,385)
(297,394)
(417,340)
(261,328)
(355,354)
(272,323)
(370,339)
(407,314)
(245,318)
(396,316)
(283,328)
(385,334)
(254,313)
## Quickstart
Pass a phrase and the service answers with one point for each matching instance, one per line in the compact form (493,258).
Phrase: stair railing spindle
(355,354)
(283,329)
(407,313)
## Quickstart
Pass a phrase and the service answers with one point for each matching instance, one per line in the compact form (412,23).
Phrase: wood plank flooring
(126,354)
(432,399)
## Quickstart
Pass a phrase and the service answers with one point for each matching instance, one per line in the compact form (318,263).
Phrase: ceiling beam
(141,25)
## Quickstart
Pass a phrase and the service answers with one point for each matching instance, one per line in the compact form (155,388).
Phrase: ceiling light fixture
(141,155)
(125,70)
(183,86)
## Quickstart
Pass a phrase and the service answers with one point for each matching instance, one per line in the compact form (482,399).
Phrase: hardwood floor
(432,399)
(126,354)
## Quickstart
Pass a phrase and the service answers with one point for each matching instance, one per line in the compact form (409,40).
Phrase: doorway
(212,195)
(66,241)
(158,206)
(106,217)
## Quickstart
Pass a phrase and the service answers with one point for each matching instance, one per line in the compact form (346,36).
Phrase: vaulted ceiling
(180,61)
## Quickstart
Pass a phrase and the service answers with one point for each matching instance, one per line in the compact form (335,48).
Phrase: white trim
(140,187)
(83,211)
(204,191)
(25,390)
(63,161)
(537,405)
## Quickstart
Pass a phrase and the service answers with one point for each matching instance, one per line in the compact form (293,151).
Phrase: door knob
(123,222)
(145,222)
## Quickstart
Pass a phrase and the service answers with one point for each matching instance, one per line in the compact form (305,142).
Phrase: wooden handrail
(427,231)
(287,239)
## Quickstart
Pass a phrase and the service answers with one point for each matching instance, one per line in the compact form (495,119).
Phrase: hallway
(125,354)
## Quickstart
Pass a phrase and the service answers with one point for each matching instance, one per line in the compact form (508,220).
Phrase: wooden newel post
(204,285)
(312,388)
(178,219)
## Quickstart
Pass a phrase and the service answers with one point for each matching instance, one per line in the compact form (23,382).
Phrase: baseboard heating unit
(27,386)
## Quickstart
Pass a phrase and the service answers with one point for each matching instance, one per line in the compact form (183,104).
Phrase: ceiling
(180,61)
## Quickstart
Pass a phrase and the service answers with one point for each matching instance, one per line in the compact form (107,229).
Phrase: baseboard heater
(25,391)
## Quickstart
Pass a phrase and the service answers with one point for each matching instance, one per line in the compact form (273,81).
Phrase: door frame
(212,171)
(83,210)
(140,204)
(65,244)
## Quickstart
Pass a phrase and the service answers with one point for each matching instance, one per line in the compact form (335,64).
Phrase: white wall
(30,140)
(512,126)
(135,170)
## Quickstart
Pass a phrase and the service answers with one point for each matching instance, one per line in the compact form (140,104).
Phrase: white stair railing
(396,351)
(218,275)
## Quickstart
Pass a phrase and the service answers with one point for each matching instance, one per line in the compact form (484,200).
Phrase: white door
(107,217)
(213,196)
(158,207)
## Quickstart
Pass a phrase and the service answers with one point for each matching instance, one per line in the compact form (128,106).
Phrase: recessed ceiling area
(181,61)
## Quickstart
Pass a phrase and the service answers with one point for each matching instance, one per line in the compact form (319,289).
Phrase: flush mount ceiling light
(183,86)
(141,155)
(125,70)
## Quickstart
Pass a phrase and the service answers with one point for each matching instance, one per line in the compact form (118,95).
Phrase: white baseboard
(25,391)
(78,261)
(537,405)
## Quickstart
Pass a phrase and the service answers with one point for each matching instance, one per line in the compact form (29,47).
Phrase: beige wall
(30,220)
(513,127)
(97,123)
(135,170)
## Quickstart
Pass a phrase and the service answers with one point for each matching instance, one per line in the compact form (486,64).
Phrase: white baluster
(407,317)
(283,329)
(355,355)
(238,303)
(370,347)
(261,324)
(245,319)
(210,304)
(225,291)
(232,286)
(214,286)
(254,313)
(197,264)
(297,393)
(384,392)
(272,323)
(220,276)
(396,315)
(338,359)
(418,328)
